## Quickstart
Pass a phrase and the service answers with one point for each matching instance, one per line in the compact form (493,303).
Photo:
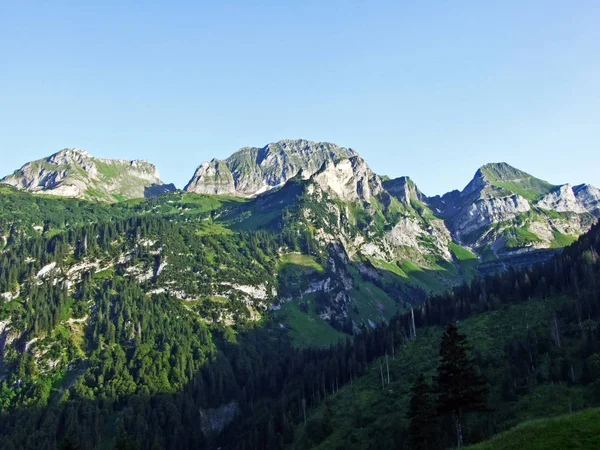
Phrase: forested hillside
(535,340)
(108,308)
(191,321)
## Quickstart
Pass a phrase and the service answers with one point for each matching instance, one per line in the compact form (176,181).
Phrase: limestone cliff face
(562,200)
(212,177)
(404,189)
(75,173)
(485,212)
(588,196)
(348,179)
(252,171)
(369,217)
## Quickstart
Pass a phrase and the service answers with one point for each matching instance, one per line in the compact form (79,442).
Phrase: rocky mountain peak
(212,177)
(502,179)
(561,199)
(588,196)
(404,189)
(251,170)
(72,172)
(501,171)
(70,153)
(501,208)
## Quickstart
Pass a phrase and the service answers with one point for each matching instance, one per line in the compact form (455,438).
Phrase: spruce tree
(460,388)
(423,429)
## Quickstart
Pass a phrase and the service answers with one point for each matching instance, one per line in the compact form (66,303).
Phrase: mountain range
(258,307)
(367,228)
(503,212)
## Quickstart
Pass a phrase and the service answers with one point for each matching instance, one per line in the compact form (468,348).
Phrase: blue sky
(430,91)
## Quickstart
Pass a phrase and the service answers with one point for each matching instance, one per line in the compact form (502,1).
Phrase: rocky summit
(251,171)
(505,210)
(502,212)
(75,173)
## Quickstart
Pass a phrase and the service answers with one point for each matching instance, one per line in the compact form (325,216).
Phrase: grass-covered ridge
(504,176)
(518,237)
(577,431)
(305,327)
(467,261)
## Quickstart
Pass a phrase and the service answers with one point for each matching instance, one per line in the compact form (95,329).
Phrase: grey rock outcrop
(252,171)
(348,179)
(562,199)
(404,189)
(212,177)
(588,196)
(214,420)
(484,212)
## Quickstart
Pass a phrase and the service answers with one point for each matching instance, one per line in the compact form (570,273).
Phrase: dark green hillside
(578,431)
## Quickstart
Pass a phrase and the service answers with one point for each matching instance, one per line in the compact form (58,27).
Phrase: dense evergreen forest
(129,369)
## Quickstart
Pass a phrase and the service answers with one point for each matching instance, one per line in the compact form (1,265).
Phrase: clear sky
(430,91)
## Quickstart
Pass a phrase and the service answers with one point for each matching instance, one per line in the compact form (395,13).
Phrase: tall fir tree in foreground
(423,430)
(459,386)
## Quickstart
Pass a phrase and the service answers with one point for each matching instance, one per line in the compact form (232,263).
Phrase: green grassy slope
(579,431)
(307,329)
(467,261)
(506,177)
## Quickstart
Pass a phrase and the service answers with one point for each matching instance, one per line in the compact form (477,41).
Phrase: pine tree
(423,429)
(459,387)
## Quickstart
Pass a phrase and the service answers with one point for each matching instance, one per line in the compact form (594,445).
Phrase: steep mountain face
(348,179)
(562,199)
(404,189)
(348,208)
(212,178)
(251,171)
(588,196)
(374,223)
(505,211)
(75,173)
